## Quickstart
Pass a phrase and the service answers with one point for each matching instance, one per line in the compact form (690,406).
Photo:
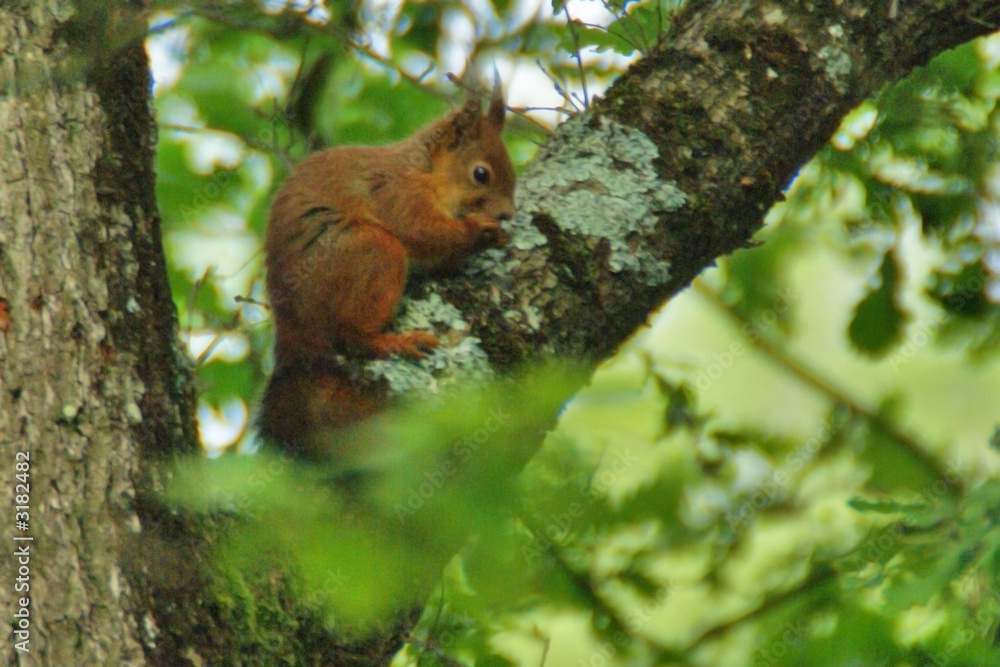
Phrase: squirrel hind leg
(366,291)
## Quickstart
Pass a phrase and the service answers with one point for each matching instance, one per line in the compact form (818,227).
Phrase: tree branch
(677,166)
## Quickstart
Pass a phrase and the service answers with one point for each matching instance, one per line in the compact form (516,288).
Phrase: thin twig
(239,298)
(559,87)
(822,575)
(579,58)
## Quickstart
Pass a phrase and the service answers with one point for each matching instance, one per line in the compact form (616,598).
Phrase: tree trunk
(96,393)
(91,378)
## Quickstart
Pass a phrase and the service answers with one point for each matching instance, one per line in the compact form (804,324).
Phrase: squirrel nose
(506,211)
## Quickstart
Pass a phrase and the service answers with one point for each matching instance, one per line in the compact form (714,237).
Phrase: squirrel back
(346,230)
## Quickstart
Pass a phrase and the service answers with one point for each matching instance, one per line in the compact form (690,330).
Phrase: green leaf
(681,406)
(602,39)
(878,320)
(420,24)
(895,467)
(644,25)
(928,571)
(959,68)
(962,294)
(940,212)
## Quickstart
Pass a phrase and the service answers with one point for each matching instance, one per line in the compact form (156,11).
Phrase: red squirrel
(346,230)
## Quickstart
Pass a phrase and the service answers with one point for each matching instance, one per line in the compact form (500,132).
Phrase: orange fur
(348,227)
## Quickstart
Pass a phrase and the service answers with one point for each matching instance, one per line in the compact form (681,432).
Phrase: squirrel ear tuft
(465,122)
(497,108)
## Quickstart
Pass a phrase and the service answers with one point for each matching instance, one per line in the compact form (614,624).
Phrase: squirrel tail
(309,403)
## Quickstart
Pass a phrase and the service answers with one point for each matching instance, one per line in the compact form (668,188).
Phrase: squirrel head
(469,162)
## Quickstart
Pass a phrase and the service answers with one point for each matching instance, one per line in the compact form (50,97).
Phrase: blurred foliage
(793,468)
(387,527)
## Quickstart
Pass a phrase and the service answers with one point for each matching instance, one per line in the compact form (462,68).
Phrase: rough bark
(91,381)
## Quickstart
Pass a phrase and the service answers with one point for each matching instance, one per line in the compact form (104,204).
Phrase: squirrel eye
(481,174)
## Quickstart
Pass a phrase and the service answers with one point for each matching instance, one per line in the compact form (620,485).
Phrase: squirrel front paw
(486,231)
(406,344)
